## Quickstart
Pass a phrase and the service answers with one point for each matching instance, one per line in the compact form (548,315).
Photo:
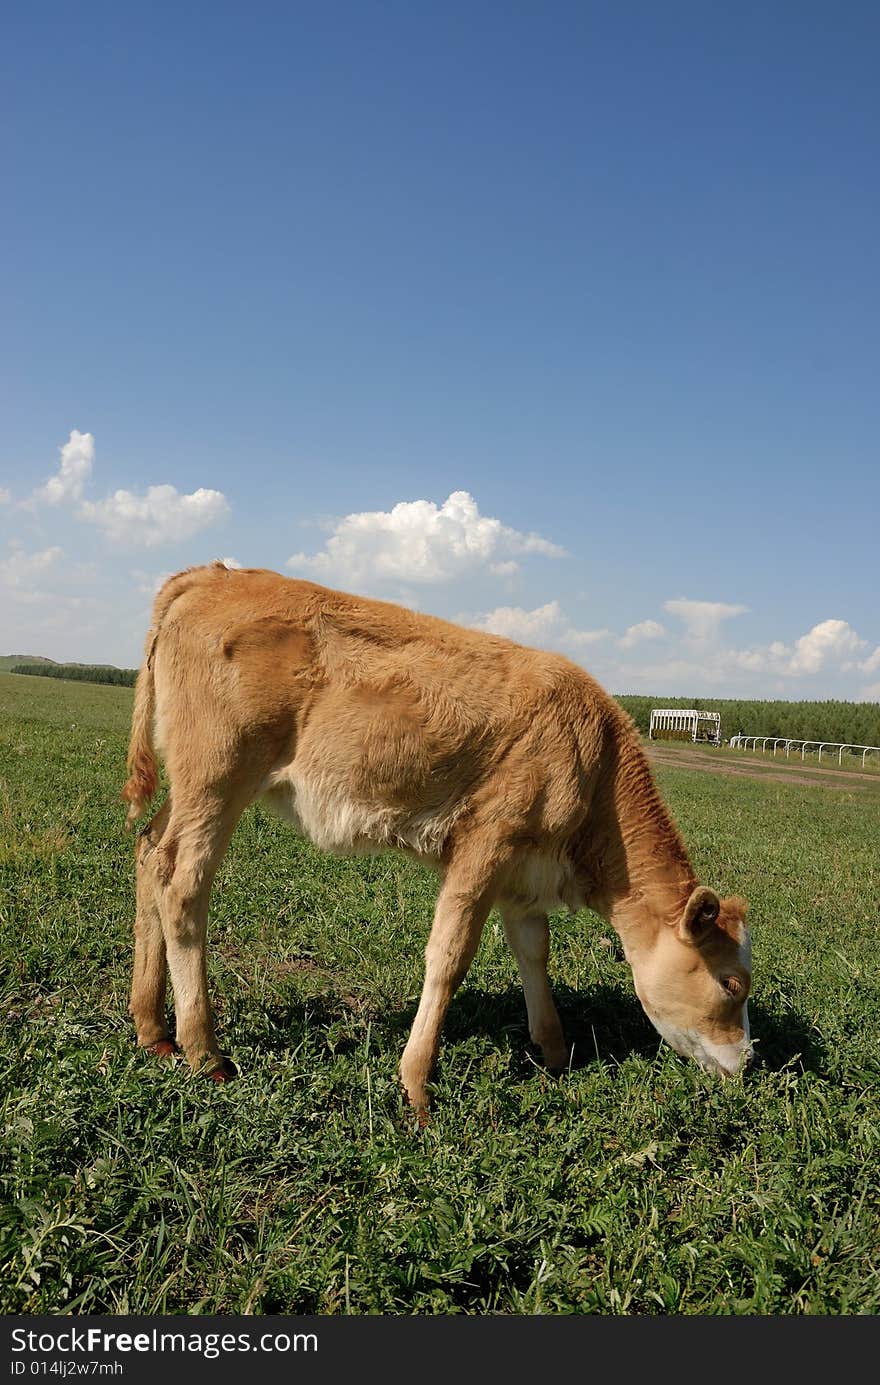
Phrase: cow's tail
(143,770)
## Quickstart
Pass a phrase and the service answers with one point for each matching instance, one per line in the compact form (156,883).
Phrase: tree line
(851,723)
(81,673)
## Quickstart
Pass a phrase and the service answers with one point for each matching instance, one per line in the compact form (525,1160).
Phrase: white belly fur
(336,822)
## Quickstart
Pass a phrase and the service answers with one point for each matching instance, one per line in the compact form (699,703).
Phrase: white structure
(741,742)
(679,724)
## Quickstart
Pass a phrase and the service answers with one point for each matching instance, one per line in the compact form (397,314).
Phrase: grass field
(635,1184)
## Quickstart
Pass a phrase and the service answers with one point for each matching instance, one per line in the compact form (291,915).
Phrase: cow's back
(375,725)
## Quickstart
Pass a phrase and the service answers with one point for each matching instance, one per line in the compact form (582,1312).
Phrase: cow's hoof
(558,1067)
(224,1071)
(164,1049)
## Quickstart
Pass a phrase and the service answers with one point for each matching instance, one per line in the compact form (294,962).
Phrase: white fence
(742,743)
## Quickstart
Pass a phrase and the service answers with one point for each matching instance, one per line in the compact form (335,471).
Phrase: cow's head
(693,981)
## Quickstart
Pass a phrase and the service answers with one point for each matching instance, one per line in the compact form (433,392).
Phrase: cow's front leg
(455,934)
(529,940)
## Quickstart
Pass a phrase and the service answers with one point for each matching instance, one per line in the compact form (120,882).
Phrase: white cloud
(36,603)
(644,630)
(231,562)
(702,618)
(871,693)
(18,572)
(528,627)
(5,496)
(830,639)
(826,645)
(39,603)
(148,583)
(417,541)
(545,626)
(872,663)
(672,677)
(75,468)
(823,649)
(161,515)
(582,637)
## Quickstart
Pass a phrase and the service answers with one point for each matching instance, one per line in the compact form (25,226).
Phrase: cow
(371,726)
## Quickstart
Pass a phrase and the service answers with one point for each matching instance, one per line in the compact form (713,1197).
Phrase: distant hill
(9,661)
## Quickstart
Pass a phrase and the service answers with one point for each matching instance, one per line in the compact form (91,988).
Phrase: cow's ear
(700,915)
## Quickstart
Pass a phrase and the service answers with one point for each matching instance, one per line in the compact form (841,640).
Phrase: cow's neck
(645,874)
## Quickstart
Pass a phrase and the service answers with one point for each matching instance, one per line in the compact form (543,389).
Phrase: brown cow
(508,769)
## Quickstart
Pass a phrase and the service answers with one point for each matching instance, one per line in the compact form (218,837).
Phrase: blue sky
(605,274)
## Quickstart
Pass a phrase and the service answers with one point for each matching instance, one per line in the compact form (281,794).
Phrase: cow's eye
(732,985)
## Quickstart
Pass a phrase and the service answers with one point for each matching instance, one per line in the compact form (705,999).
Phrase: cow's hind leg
(193,847)
(149,972)
(462,909)
(529,940)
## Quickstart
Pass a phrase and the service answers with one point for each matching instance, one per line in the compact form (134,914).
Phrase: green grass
(636,1184)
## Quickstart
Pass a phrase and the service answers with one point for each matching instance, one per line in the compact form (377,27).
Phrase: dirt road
(760,767)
